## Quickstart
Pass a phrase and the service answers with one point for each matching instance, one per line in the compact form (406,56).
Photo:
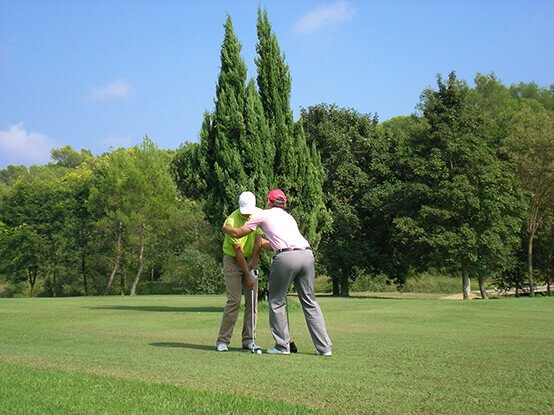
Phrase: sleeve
(255,222)
(231,223)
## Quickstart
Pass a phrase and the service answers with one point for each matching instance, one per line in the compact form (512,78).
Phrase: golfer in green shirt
(240,263)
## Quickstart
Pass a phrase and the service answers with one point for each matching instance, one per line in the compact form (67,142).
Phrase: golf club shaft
(252,312)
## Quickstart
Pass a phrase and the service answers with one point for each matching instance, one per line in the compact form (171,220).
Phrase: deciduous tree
(530,147)
(465,211)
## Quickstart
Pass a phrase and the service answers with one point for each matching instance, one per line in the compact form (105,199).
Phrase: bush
(16,290)
(429,283)
(373,283)
(323,284)
(192,272)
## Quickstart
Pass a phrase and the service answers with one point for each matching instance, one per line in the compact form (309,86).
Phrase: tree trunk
(549,271)
(484,294)
(84,271)
(32,279)
(117,259)
(122,289)
(54,284)
(344,288)
(530,266)
(466,284)
(141,262)
(336,290)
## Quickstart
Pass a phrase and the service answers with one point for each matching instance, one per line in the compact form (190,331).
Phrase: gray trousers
(297,266)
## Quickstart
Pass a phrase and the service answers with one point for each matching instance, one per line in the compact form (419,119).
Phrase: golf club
(292,346)
(255,349)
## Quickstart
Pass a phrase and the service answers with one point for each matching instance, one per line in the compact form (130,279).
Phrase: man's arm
(242,263)
(256,250)
(266,245)
(236,232)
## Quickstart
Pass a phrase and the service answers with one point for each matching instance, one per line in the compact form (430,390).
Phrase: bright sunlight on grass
(156,354)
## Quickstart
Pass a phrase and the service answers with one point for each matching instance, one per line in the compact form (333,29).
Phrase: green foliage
(545,96)
(372,283)
(297,165)
(497,106)
(215,170)
(250,141)
(430,283)
(10,173)
(69,158)
(529,146)
(464,209)
(59,225)
(33,211)
(192,272)
(465,185)
(323,284)
(359,163)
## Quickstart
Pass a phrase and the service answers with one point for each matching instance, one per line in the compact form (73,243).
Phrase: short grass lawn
(155,355)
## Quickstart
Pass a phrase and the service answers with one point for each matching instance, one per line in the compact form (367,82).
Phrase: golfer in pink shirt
(293,261)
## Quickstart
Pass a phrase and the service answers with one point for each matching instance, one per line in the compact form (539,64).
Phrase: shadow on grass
(162,309)
(175,345)
(383,296)
(352,296)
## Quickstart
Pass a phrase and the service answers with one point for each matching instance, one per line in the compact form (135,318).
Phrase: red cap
(277,194)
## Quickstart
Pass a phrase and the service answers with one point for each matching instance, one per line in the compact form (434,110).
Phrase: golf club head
(293,348)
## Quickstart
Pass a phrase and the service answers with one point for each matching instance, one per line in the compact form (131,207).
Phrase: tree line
(464,186)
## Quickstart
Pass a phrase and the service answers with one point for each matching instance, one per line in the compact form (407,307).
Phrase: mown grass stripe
(27,390)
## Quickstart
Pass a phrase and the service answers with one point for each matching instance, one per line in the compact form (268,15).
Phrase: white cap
(247,203)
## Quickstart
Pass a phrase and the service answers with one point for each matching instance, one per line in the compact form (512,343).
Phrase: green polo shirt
(236,220)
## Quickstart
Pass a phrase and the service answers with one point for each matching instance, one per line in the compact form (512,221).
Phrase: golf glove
(254,273)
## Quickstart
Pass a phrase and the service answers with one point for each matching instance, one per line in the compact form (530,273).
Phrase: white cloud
(17,146)
(324,16)
(115,89)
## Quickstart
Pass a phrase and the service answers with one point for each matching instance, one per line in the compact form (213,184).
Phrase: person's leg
(247,321)
(304,283)
(280,278)
(233,273)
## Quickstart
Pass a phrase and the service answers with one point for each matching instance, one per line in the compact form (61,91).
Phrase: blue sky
(94,74)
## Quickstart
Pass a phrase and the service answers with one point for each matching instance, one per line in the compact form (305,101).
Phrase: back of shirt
(279,227)
(236,220)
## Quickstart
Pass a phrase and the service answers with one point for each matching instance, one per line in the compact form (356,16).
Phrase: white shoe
(329,353)
(252,346)
(222,347)
(276,351)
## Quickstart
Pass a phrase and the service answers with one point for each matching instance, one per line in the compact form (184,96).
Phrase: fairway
(155,354)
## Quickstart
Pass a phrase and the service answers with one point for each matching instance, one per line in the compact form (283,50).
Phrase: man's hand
(252,278)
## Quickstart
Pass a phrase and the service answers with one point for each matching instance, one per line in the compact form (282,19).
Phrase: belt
(293,249)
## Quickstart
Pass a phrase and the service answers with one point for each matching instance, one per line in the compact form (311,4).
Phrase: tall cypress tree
(250,142)
(233,154)
(298,169)
(258,152)
(214,170)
